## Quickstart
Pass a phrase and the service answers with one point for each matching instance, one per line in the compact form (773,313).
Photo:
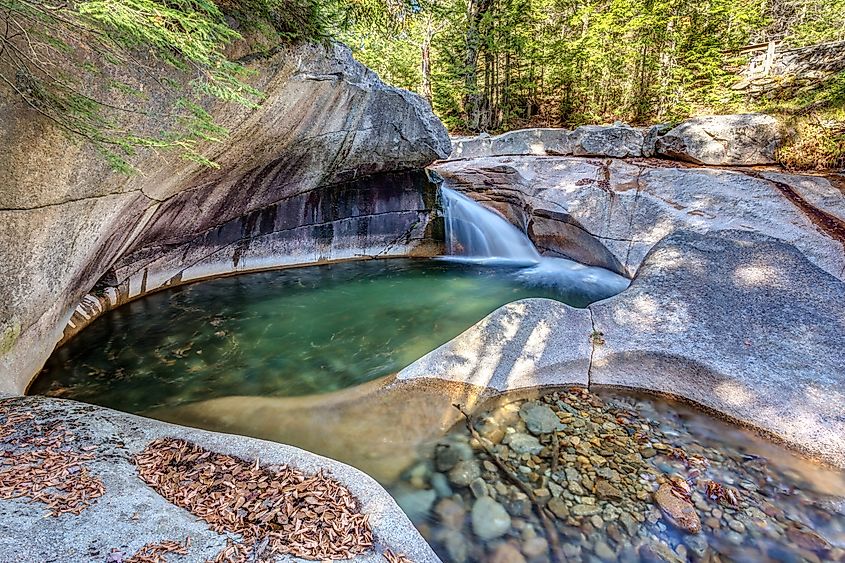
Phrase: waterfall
(475,233)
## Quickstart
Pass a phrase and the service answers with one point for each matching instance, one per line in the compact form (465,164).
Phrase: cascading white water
(474,232)
(477,234)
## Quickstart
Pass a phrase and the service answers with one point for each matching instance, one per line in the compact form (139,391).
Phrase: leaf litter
(278,510)
(154,552)
(36,462)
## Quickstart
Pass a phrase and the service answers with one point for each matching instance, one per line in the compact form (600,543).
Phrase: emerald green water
(287,332)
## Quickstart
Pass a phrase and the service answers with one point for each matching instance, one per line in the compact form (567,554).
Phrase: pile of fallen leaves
(36,462)
(279,511)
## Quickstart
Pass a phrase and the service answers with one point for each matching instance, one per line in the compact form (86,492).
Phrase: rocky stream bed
(577,476)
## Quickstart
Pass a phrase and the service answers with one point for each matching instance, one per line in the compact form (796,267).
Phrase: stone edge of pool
(739,323)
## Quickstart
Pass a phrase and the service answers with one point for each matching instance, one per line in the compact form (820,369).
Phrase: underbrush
(814,142)
(814,123)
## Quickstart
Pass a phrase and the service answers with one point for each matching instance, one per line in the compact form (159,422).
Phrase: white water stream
(477,234)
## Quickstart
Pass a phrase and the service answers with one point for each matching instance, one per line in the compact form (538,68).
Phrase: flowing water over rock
(478,235)
(473,232)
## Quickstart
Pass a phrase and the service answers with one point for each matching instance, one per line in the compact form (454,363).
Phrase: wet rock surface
(629,478)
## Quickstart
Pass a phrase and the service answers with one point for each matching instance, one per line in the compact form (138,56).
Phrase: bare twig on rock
(548,525)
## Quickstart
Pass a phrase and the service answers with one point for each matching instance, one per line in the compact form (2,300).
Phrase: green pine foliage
(81,64)
(815,21)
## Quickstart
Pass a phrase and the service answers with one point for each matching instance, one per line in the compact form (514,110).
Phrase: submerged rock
(604,552)
(559,507)
(464,473)
(679,512)
(448,454)
(478,487)
(585,510)
(806,538)
(451,513)
(604,520)
(524,443)
(605,489)
(656,552)
(456,546)
(539,418)
(489,519)
(440,484)
(416,503)
(506,553)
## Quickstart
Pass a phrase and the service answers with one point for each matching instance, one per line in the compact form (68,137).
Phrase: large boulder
(723,140)
(617,141)
(523,141)
(67,219)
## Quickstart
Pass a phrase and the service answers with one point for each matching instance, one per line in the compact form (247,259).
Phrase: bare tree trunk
(487,113)
(476,10)
(427,92)
(506,94)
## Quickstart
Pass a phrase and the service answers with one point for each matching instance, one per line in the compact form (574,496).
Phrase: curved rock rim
(757,349)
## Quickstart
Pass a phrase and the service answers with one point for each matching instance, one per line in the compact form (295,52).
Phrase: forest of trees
(484,65)
(494,65)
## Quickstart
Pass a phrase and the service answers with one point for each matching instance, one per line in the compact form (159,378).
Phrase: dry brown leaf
(393,557)
(36,463)
(157,552)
